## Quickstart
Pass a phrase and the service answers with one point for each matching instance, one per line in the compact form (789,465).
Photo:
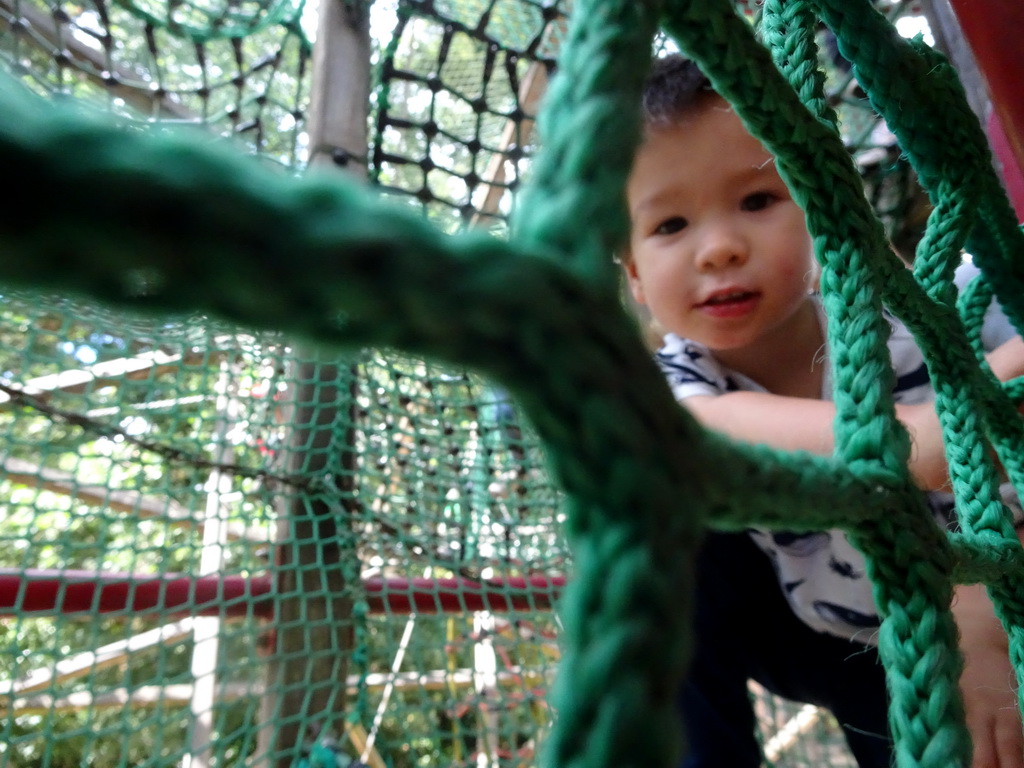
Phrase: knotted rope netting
(162,224)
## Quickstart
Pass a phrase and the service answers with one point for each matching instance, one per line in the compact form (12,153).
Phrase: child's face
(718,251)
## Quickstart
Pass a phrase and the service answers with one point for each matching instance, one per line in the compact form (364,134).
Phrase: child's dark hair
(674,85)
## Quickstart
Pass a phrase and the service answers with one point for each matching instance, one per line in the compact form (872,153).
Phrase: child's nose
(721,247)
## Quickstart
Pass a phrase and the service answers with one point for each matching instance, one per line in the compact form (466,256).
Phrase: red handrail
(43,592)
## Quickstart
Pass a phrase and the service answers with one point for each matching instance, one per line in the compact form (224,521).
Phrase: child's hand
(988,683)
(928,455)
(1007,360)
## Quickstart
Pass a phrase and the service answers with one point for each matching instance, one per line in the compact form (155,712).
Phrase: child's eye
(671,226)
(758,201)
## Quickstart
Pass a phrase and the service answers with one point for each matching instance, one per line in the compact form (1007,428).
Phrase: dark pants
(744,630)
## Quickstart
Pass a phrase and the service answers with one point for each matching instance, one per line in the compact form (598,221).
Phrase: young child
(720,255)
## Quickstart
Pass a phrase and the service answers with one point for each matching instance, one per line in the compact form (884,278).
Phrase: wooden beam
(109,372)
(145,696)
(206,630)
(32,475)
(169,403)
(93,661)
(531,90)
(368,753)
(792,731)
(181,694)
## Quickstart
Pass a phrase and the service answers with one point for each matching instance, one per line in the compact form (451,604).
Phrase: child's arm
(988,682)
(1006,359)
(802,424)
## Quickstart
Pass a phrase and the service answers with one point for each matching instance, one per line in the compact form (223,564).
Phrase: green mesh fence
(220,548)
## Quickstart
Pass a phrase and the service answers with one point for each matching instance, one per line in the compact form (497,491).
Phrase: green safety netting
(223,544)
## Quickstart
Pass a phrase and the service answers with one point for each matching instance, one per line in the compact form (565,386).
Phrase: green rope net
(293,472)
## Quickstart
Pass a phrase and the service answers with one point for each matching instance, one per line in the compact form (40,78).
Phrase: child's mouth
(729,297)
(730,303)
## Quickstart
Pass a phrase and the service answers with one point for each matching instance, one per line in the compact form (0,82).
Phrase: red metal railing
(69,592)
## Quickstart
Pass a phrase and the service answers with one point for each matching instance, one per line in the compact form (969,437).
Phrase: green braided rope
(949,152)
(203,22)
(167,226)
(976,484)
(259,248)
(228,255)
(588,126)
(788,32)
(929,114)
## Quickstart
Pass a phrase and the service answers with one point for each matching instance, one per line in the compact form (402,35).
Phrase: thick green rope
(588,126)
(164,224)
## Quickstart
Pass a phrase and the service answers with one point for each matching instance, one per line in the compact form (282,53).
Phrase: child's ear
(636,288)
(814,277)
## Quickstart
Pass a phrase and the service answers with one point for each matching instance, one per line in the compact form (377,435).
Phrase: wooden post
(485,683)
(313,632)
(206,629)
